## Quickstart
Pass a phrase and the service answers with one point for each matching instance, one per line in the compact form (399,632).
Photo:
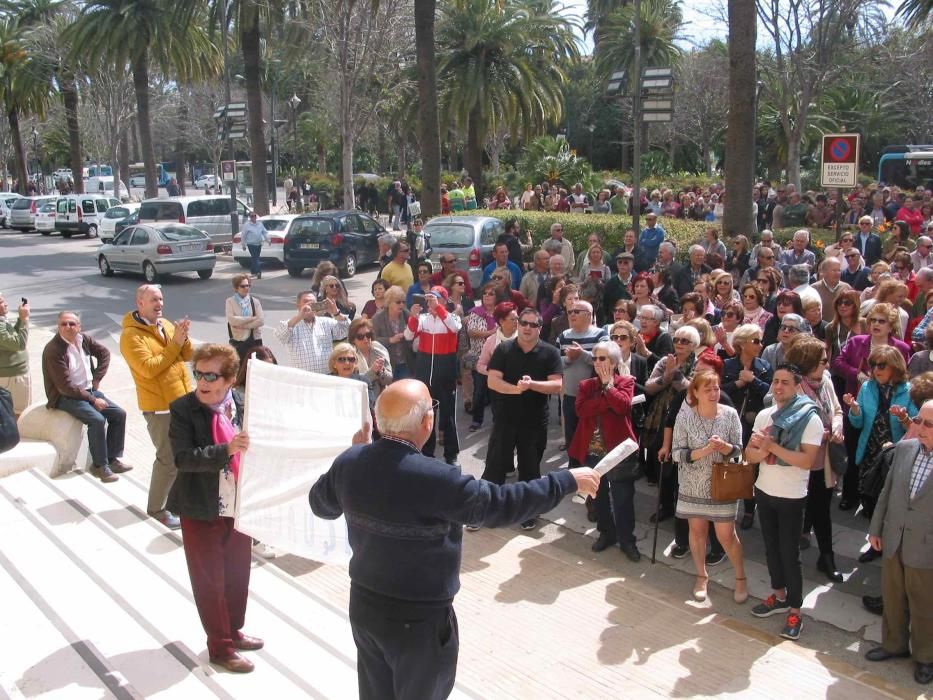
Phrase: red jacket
(613,406)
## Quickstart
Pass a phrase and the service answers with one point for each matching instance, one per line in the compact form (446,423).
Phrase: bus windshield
(908,170)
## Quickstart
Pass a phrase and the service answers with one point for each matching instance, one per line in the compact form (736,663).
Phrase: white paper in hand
(618,453)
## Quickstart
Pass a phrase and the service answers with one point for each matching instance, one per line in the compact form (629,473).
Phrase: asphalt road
(57,274)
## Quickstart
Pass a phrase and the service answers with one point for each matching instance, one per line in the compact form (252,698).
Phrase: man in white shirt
(922,257)
(73,366)
(785,440)
(310,337)
(254,234)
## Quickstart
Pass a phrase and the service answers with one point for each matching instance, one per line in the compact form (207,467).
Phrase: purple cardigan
(854,359)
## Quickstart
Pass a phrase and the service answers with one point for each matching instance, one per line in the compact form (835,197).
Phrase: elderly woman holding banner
(207,450)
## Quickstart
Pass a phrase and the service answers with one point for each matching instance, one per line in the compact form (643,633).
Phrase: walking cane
(657,512)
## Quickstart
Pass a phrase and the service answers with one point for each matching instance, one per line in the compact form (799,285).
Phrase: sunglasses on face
(682,341)
(574,312)
(245,285)
(209,377)
(878,365)
(346,360)
(619,337)
(878,320)
(600,358)
(790,329)
(729,314)
(846,302)
(529,324)
(364,336)
(749,296)
(459,283)
(755,341)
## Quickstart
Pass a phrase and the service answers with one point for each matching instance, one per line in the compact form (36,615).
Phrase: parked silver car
(23,212)
(470,239)
(158,249)
(6,201)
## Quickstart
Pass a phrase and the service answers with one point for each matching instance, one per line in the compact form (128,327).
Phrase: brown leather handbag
(732,481)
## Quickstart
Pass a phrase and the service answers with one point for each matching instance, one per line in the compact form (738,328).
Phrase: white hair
(688,332)
(925,273)
(611,348)
(799,274)
(802,232)
(405,424)
(697,247)
(669,246)
(654,311)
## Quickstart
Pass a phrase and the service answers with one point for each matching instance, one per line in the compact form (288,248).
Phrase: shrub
(610,227)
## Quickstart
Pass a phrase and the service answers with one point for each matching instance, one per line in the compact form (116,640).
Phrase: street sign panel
(840,160)
(657,116)
(653,105)
(228,170)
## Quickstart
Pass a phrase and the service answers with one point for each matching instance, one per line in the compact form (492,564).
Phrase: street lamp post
(234,216)
(35,153)
(293,102)
(275,162)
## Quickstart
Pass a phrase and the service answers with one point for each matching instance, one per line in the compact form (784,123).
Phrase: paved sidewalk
(104,594)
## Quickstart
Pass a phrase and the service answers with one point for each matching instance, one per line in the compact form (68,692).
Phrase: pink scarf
(223,431)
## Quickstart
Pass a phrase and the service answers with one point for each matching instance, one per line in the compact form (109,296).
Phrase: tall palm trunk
(249,40)
(19,154)
(428,129)
(738,217)
(70,101)
(473,156)
(140,68)
(124,156)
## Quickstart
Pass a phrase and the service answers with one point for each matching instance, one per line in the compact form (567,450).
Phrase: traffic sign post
(840,159)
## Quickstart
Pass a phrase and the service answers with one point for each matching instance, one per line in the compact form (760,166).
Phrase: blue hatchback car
(346,238)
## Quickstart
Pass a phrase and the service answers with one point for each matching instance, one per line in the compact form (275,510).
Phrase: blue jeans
(106,429)
(255,266)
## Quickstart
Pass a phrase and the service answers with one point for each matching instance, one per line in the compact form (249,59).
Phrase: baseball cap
(439,292)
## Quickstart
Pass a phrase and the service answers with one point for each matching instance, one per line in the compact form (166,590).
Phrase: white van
(104,185)
(81,214)
(210,213)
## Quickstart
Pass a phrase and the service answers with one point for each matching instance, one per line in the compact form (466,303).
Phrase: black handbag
(9,433)
(873,473)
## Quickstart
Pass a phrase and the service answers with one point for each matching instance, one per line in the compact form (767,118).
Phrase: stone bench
(50,440)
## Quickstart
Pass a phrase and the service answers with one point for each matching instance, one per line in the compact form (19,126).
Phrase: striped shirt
(310,344)
(581,368)
(920,471)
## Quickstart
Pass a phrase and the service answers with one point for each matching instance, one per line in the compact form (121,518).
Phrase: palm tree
(501,61)
(738,217)
(661,21)
(25,85)
(136,32)
(45,21)
(428,129)
(915,12)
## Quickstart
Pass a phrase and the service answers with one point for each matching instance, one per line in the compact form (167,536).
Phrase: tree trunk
(140,69)
(19,155)
(134,132)
(738,216)
(473,156)
(401,151)
(249,40)
(793,159)
(346,170)
(70,101)
(428,128)
(124,156)
(181,160)
(321,158)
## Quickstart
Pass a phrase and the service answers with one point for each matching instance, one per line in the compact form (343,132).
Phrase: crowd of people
(814,365)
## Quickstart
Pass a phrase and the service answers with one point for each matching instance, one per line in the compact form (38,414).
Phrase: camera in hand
(320,307)
(420,299)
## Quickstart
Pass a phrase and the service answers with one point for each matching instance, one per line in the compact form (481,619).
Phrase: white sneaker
(264,551)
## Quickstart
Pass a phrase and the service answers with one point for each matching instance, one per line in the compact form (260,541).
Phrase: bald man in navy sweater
(405,514)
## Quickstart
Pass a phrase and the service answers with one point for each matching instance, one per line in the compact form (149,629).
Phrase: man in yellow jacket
(156,351)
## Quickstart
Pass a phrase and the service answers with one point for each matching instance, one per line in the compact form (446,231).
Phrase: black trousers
(615,508)
(404,652)
(817,514)
(781,520)
(851,478)
(440,374)
(508,437)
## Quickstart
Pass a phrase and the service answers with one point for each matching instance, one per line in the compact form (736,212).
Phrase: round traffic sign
(840,150)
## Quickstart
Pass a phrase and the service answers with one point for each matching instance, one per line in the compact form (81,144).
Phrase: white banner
(298,422)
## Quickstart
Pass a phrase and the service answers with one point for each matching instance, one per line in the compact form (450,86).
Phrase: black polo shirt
(541,362)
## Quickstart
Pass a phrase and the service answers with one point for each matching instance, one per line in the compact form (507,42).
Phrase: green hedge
(610,227)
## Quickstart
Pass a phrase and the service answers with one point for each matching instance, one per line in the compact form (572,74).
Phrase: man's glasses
(574,312)
(878,365)
(364,336)
(69,324)
(346,360)
(244,285)
(852,255)
(209,377)
(529,324)
(619,337)
(790,329)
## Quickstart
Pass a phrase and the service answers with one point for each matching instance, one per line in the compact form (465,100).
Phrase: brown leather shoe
(234,663)
(247,643)
(119,467)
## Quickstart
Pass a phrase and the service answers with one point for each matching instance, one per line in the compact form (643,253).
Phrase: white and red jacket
(435,334)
